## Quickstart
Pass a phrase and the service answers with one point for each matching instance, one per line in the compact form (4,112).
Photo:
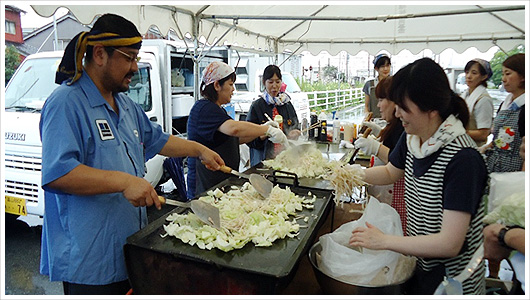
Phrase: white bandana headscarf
(215,71)
(278,101)
(450,129)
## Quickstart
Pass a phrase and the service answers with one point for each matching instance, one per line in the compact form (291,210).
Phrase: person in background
(210,125)
(500,241)
(445,179)
(95,142)
(382,67)
(388,138)
(478,101)
(508,125)
(272,102)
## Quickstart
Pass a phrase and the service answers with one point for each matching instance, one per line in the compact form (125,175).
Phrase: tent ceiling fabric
(330,28)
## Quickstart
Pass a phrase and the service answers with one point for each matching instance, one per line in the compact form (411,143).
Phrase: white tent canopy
(332,28)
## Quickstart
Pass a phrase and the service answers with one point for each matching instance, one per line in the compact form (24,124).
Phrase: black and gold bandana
(71,66)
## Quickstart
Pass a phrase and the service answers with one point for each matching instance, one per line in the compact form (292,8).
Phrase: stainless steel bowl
(335,286)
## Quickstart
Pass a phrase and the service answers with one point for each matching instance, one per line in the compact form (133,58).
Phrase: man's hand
(140,192)
(211,159)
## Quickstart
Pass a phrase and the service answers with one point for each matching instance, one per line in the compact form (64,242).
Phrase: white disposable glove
(376,129)
(368,145)
(272,123)
(276,136)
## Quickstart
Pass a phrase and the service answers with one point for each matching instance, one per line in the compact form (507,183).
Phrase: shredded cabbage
(309,163)
(509,212)
(245,217)
(345,179)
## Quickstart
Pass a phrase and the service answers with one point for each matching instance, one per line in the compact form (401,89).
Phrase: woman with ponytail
(445,177)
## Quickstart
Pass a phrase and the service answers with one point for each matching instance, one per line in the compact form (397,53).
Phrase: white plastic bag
(348,265)
(503,185)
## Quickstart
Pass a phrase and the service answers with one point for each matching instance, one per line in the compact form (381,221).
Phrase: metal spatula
(206,212)
(261,184)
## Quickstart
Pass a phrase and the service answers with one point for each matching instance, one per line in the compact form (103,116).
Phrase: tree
(12,62)
(496,63)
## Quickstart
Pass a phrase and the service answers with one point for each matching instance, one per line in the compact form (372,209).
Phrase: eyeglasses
(130,58)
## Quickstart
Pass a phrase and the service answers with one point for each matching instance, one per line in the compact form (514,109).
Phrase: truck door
(145,89)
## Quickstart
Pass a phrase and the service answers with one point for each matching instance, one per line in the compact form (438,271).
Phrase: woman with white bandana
(272,102)
(445,177)
(210,125)
(478,101)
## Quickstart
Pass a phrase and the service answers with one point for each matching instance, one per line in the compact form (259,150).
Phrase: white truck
(33,82)
(165,103)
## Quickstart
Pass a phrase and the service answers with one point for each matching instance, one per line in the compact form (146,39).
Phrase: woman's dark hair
(113,24)
(480,69)
(270,71)
(382,61)
(424,82)
(209,91)
(381,92)
(516,63)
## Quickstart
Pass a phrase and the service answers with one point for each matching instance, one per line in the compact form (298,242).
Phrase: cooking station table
(159,265)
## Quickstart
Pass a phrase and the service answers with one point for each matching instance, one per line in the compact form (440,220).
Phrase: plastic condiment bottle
(348,132)
(323,129)
(336,130)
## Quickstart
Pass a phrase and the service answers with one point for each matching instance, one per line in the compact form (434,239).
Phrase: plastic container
(348,132)
(181,105)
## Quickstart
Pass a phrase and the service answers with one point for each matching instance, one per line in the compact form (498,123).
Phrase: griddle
(167,265)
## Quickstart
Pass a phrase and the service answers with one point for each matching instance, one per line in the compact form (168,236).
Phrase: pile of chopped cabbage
(309,163)
(245,217)
(510,212)
(345,180)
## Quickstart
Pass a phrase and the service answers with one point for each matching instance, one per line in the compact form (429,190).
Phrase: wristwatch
(501,235)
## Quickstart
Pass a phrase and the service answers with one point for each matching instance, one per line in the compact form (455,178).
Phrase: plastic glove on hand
(272,123)
(376,129)
(276,136)
(368,145)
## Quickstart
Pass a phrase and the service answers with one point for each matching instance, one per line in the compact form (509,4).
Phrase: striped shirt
(429,192)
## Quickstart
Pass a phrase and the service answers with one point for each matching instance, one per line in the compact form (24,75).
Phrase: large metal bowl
(335,286)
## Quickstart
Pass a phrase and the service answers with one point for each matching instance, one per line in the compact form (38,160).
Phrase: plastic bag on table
(503,185)
(341,262)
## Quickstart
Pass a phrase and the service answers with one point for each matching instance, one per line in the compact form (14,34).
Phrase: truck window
(33,83)
(140,88)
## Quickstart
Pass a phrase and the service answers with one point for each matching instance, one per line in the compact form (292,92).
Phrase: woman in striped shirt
(445,177)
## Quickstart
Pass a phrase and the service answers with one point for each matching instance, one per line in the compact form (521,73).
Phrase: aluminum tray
(159,265)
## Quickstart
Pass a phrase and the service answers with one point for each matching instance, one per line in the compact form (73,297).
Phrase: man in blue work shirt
(95,142)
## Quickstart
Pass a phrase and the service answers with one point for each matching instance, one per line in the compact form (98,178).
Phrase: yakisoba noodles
(344,179)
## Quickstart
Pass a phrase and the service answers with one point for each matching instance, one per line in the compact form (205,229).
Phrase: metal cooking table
(159,265)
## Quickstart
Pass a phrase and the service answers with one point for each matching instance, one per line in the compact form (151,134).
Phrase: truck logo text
(14,136)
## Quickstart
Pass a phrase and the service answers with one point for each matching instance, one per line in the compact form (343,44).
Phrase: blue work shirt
(83,236)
